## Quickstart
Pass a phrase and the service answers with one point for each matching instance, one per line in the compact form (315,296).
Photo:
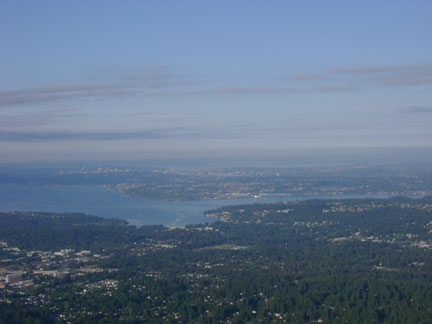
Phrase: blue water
(113,204)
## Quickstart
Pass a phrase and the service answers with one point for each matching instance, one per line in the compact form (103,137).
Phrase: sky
(130,80)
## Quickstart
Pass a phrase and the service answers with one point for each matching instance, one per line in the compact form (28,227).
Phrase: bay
(113,204)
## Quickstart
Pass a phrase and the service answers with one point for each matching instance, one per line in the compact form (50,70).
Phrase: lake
(113,204)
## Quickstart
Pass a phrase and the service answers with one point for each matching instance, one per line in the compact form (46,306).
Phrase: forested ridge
(316,261)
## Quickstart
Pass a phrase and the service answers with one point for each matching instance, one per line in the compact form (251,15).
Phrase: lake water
(113,204)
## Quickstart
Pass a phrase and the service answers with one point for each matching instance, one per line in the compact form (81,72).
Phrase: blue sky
(166,79)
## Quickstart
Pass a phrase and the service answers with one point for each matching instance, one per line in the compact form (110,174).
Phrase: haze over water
(113,204)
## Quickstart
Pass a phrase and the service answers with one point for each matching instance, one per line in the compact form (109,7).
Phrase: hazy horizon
(265,159)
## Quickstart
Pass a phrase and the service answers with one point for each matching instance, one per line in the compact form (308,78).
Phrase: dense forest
(316,261)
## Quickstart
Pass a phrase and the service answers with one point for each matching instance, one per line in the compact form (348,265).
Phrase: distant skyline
(130,80)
